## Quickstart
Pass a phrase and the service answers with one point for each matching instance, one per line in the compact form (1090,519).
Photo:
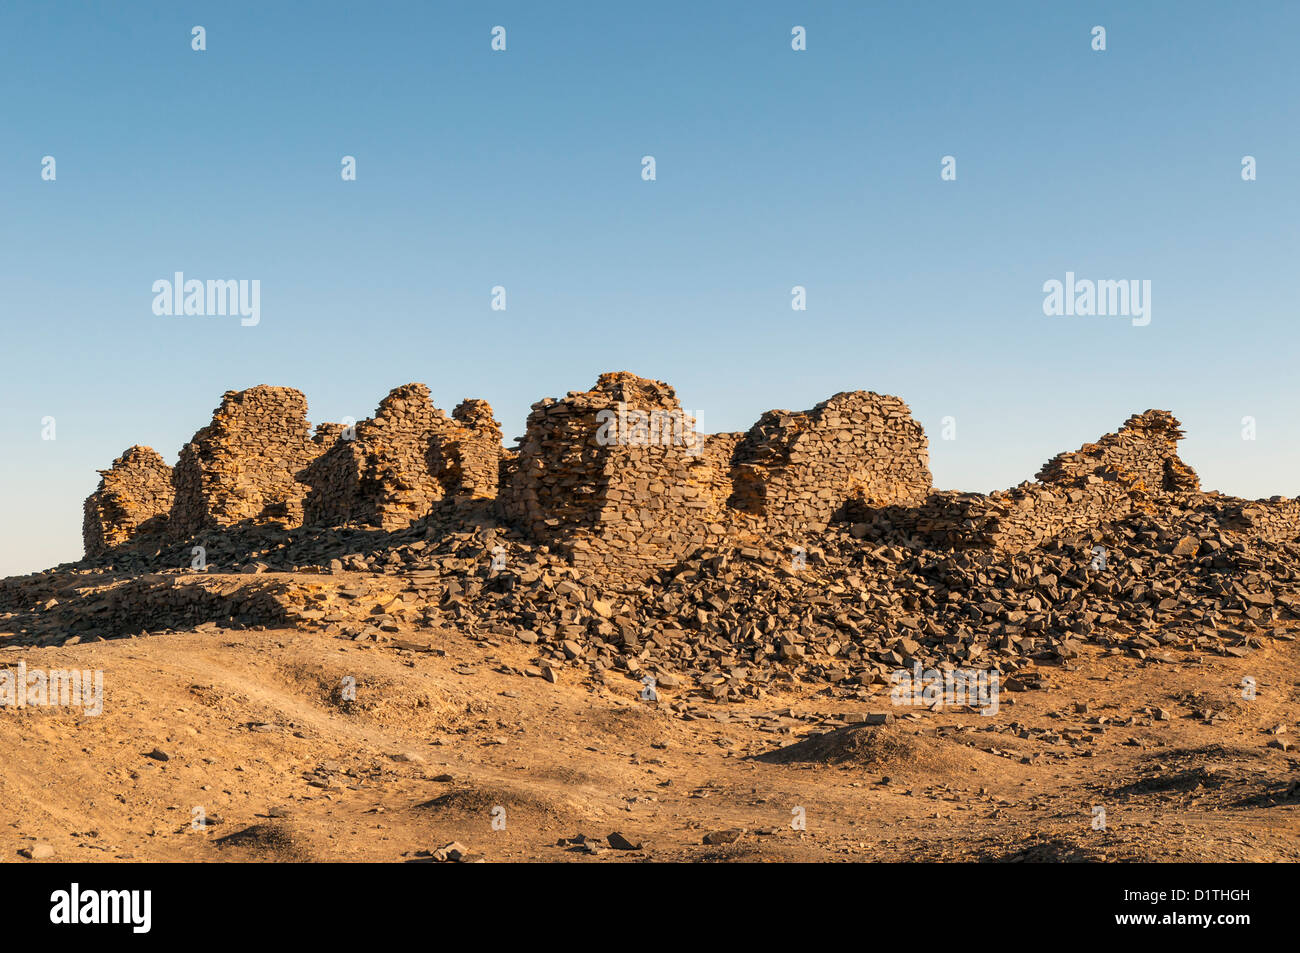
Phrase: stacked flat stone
(1096,485)
(716,461)
(382,471)
(610,476)
(467,452)
(390,469)
(1276,519)
(617,480)
(398,480)
(246,464)
(1079,493)
(799,470)
(947,519)
(334,477)
(133,500)
(1143,453)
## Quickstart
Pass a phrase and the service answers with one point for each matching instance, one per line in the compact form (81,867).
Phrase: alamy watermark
(126,907)
(211,298)
(37,688)
(931,688)
(1125,298)
(624,427)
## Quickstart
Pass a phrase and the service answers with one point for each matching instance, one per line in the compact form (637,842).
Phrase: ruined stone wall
(798,470)
(947,519)
(1143,453)
(391,469)
(1132,470)
(506,470)
(398,480)
(1123,472)
(618,479)
(1012,520)
(381,472)
(614,476)
(714,468)
(333,477)
(134,499)
(467,453)
(1028,516)
(245,464)
(1276,519)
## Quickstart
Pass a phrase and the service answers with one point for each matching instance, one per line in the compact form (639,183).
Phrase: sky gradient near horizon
(522,168)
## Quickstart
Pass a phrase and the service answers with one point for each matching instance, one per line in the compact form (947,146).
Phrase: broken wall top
(614,473)
(393,467)
(801,468)
(1142,453)
(134,498)
(244,464)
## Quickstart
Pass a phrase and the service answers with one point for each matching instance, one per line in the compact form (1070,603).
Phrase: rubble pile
(850,612)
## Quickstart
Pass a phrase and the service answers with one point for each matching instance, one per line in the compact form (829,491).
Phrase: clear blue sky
(523,169)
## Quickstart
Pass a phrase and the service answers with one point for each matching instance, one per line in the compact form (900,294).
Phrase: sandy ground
(457,744)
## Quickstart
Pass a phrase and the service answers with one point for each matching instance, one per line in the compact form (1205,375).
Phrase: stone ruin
(809,551)
(259,463)
(390,469)
(467,455)
(800,469)
(134,499)
(1276,519)
(617,479)
(243,466)
(378,472)
(1135,469)
(615,475)
(1142,455)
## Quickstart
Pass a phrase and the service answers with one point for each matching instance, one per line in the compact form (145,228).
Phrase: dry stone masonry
(390,469)
(134,499)
(801,469)
(396,483)
(259,463)
(1142,454)
(1134,470)
(244,466)
(616,480)
(621,543)
(467,453)
(615,476)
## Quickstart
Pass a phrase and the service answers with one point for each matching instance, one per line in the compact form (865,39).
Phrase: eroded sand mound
(483,802)
(268,841)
